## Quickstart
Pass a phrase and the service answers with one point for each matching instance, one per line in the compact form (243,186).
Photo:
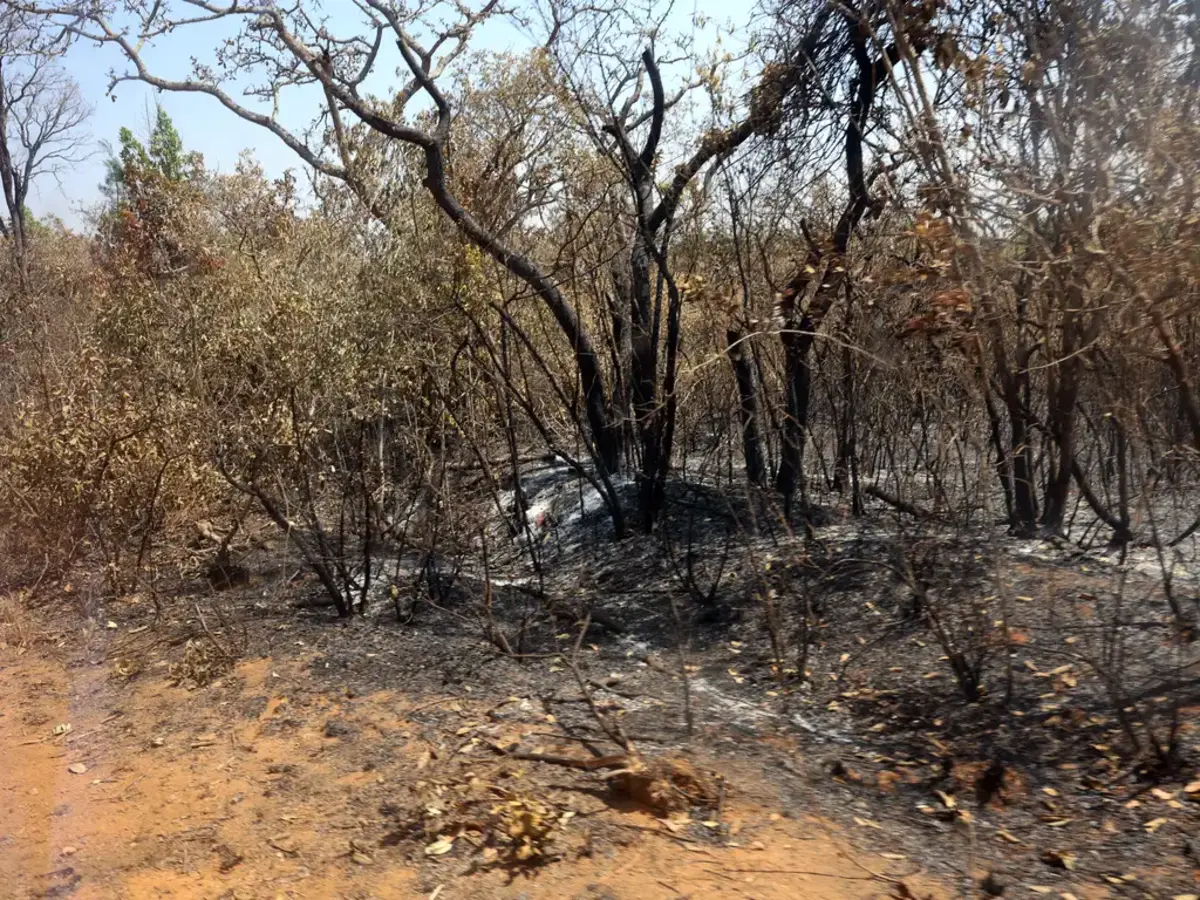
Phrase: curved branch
(722,143)
(656,112)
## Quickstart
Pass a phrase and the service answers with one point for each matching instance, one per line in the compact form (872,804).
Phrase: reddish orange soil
(207,794)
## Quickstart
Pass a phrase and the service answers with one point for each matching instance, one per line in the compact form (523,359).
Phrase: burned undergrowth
(992,704)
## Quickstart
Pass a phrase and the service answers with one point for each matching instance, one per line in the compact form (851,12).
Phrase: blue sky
(203,123)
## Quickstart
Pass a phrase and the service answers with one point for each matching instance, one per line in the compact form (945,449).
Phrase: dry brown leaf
(1060,859)
(676,825)
(1119,879)
(948,800)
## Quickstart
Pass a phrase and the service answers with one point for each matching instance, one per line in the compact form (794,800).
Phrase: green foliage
(166,158)
(43,227)
(166,151)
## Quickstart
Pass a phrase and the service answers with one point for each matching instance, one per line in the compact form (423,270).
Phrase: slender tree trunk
(1014,391)
(665,425)
(797,343)
(1189,406)
(845,468)
(1025,506)
(1060,421)
(622,351)
(606,441)
(1003,463)
(800,322)
(743,374)
(13,199)
(644,358)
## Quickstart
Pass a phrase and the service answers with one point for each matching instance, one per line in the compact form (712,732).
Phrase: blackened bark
(743,374)
(664,440)
(1079,329)
(800,326)
(1178,368)
(1003,463)
(796,344)
(845,469)
(605,435)
(1025,505)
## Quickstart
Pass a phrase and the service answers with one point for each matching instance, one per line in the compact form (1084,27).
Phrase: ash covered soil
(864,709)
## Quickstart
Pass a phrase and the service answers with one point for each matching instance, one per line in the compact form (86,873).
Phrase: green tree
(166,157)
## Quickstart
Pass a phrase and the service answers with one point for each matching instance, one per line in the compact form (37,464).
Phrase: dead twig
(612,729)
(613,761)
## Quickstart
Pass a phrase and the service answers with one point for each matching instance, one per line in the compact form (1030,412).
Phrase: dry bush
(226,342)
(91,471)
(16,628)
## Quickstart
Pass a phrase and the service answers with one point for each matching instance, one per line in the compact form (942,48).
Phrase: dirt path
(259,787)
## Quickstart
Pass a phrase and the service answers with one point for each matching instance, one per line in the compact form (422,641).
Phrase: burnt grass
(1036,780)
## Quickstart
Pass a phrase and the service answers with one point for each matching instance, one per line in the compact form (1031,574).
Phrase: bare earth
(244,790)
(370,758)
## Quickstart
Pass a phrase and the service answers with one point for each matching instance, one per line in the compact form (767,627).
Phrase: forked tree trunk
(802,320)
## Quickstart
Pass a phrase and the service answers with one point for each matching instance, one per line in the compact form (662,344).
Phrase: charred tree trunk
(743,374)
(797,342)
(644,345)
(845,468)
(1014,390)
(664,439)
(1003,462)
(1189,406)
(620,303)
(606,439)
(1025,505)
(1060,421)
(648,414)
(802,320)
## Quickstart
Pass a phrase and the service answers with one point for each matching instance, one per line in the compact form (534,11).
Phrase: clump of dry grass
(16,627)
